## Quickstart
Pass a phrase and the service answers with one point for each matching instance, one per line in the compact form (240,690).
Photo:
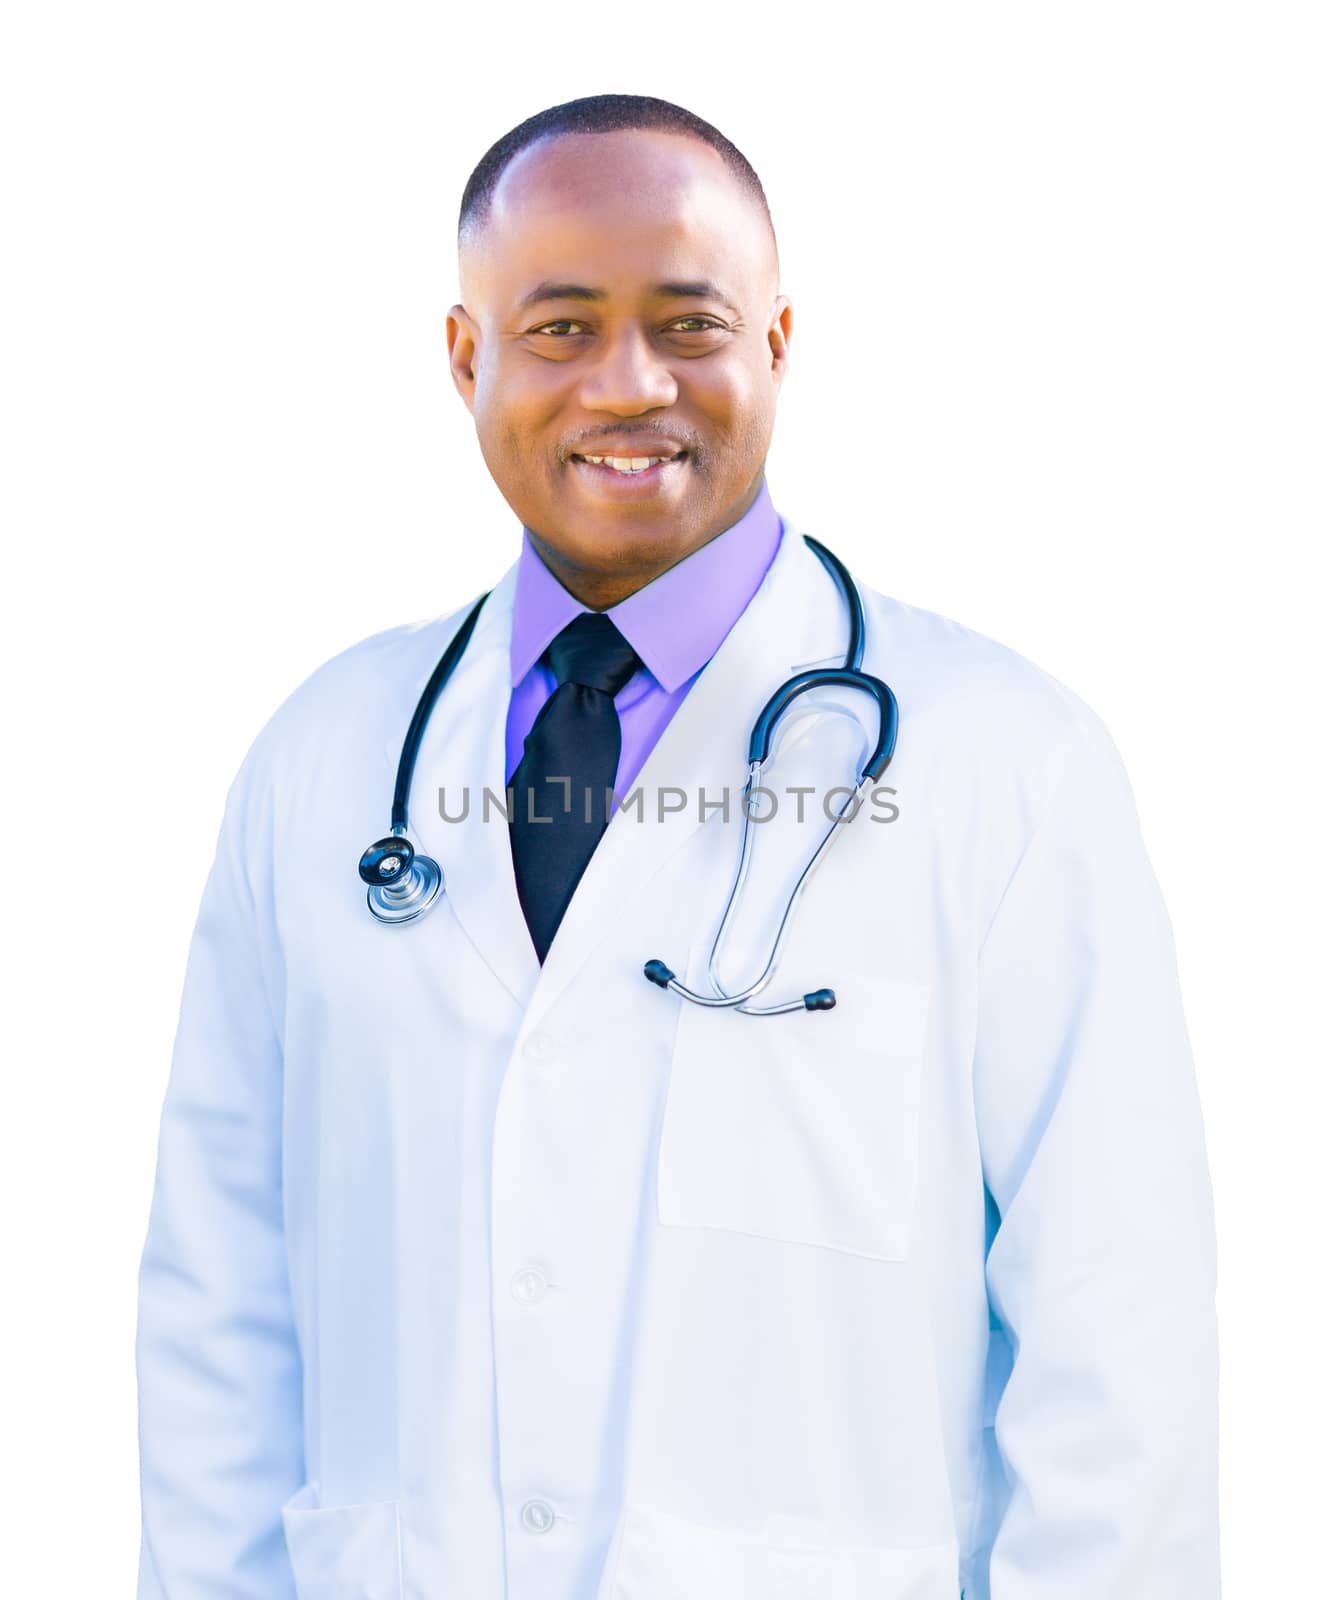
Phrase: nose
(627,375)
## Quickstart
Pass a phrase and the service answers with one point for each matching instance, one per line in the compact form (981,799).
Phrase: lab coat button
(527,1285)
(539,1044)
(537,1517)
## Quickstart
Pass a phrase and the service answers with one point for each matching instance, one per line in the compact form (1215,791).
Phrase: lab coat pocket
(802,1567)
(802,1127)
(343,1552)
(662,1556)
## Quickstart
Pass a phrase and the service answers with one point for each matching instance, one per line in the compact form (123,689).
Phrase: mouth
(629,475)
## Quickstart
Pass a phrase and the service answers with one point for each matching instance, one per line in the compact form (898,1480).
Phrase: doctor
(480,1267)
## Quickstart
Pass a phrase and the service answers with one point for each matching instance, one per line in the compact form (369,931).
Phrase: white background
(1060,366)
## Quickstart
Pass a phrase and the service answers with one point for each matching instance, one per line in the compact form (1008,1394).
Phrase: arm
(219,1376)
(1102,1271)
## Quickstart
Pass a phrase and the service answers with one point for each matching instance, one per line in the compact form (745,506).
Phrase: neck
(599,589)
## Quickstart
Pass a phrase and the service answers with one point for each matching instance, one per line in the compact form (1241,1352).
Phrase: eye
(558,329)
(563,322)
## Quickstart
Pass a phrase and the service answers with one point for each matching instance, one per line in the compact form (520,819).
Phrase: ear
(778,336)
(463,345)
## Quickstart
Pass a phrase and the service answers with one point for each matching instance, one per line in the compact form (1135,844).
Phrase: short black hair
(598,113)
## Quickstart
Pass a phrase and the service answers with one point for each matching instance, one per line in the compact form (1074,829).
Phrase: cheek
(513,418)
(733,397)
(507,385)
(737,407)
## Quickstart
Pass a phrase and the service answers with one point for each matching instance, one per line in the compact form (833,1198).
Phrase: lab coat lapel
(795,620)
(462,755)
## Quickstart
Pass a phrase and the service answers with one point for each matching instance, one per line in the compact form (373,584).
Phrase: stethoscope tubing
(406,764)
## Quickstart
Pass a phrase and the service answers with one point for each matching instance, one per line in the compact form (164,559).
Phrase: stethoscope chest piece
(402,884)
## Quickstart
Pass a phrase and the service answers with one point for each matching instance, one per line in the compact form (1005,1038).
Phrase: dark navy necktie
(562,785)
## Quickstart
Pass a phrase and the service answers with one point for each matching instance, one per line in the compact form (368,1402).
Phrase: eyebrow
(700,289)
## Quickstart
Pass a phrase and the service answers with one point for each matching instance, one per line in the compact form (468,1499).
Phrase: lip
(629,485)
(632,444)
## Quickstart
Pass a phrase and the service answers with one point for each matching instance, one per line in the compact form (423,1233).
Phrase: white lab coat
(467,1279)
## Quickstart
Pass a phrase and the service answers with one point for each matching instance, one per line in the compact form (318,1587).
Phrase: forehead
(618,211)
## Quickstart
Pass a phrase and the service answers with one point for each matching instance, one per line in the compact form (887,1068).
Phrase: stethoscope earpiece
(402,884)
(655,971)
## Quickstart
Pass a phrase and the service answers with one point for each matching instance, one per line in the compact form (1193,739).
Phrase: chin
(625,545)
(608,543)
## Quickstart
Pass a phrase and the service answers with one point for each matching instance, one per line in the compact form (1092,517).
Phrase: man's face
(674,345)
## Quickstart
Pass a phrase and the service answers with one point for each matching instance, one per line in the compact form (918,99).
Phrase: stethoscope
(403,884)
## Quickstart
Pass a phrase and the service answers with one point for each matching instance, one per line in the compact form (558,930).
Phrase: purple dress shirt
(675,623)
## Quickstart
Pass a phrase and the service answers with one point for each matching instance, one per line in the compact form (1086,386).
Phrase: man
(478,1266)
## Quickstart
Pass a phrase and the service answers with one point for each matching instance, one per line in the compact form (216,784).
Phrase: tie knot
(592,651)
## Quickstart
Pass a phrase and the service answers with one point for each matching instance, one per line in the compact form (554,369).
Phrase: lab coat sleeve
(1102,1270)
(219,1377)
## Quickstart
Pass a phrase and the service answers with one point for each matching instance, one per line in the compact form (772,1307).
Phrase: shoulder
(992,706)
(948,665)
(354,697)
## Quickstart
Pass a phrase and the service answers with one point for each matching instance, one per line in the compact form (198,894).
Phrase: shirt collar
(677,621)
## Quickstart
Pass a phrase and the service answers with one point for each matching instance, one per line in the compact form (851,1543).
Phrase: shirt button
(537,1517)
(527,1285)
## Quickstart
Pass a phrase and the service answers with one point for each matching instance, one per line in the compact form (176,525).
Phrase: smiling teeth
(626,463)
